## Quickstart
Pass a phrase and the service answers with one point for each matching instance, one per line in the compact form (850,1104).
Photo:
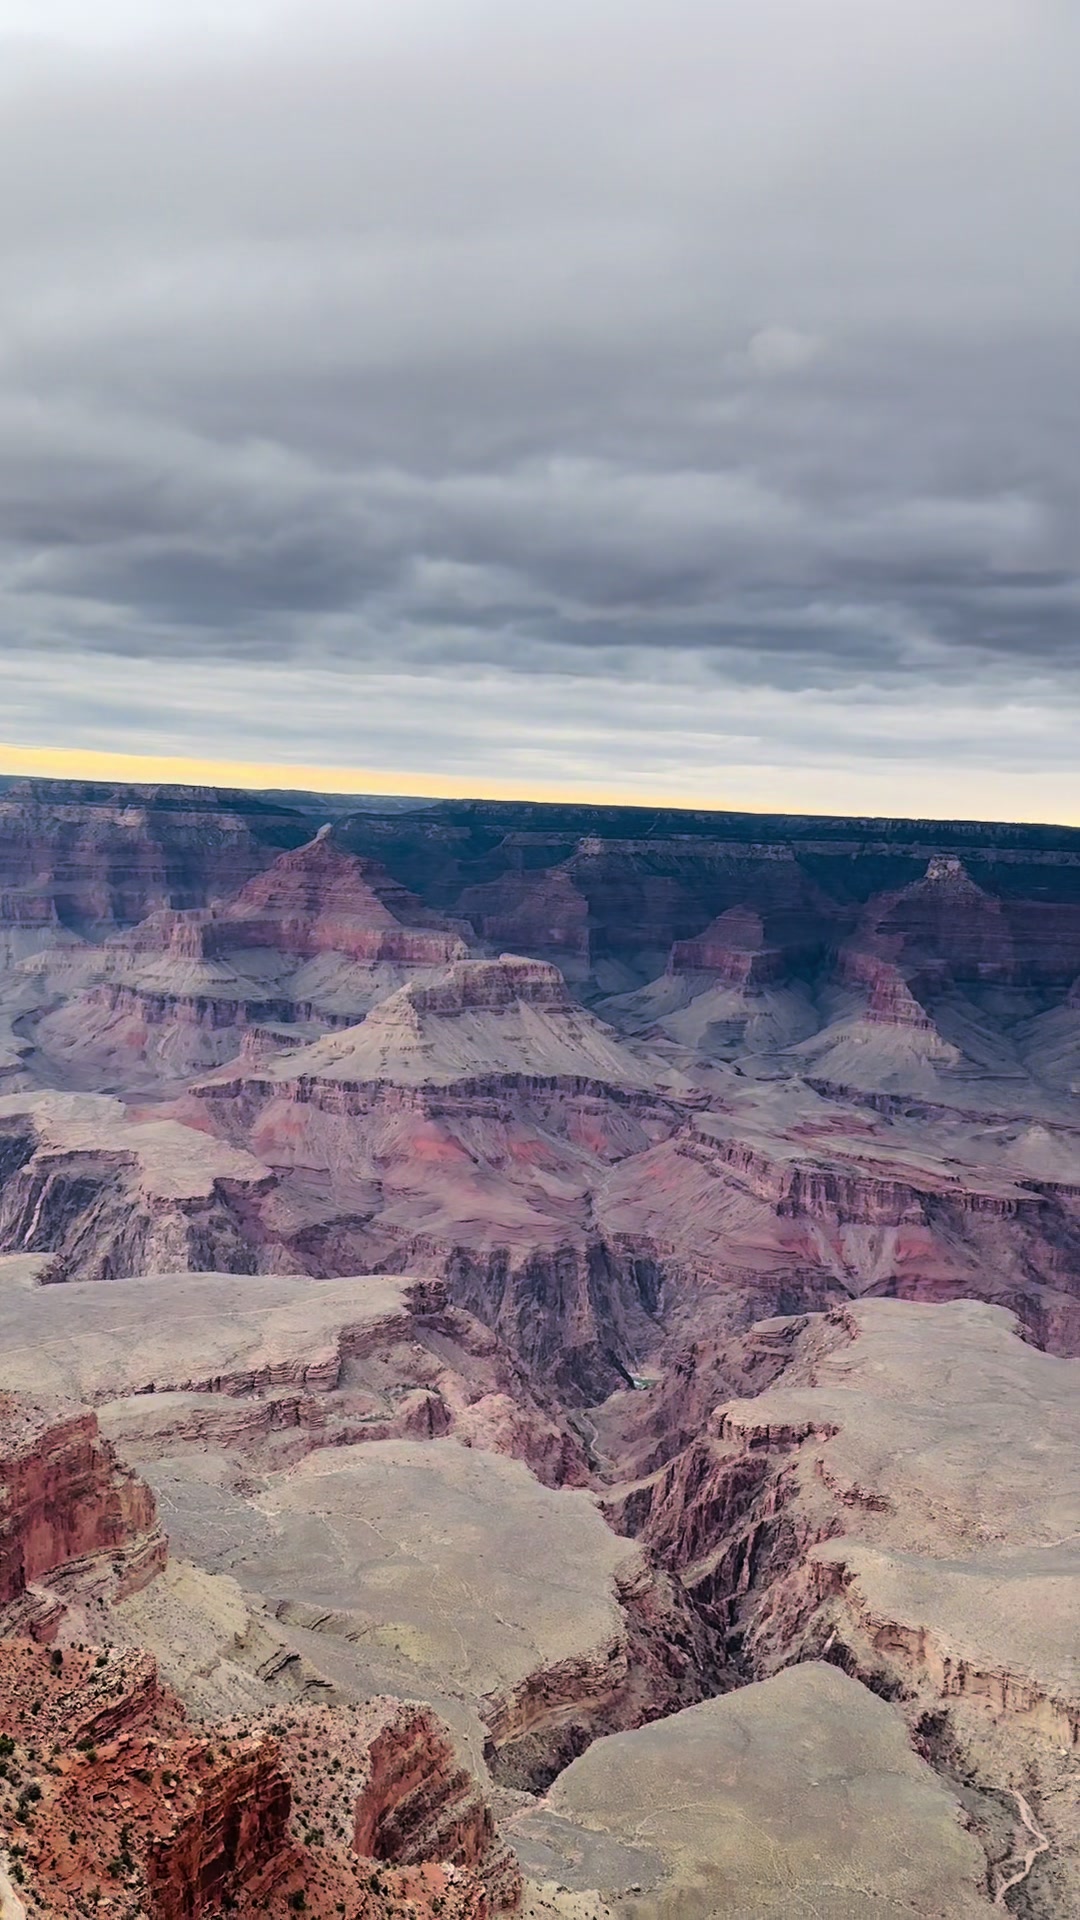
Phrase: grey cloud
(694,353)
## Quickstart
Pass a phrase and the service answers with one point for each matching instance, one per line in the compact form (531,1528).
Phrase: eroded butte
(538,1359)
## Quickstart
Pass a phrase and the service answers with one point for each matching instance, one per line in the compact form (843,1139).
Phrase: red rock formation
(890,1000)
(106,1790)
(312,900)
(943,922)
(65,1498)
(733,948)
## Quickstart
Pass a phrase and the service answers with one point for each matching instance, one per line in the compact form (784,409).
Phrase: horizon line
(269,777)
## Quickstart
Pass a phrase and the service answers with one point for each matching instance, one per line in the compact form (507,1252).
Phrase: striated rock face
(320,899)
(889,997)
(274,1367)
(418,1803)
(64,1498)
(309,944)
(315,899)
(545,915)
(735,949)
(947,923)
(179,1822)
(106,1194)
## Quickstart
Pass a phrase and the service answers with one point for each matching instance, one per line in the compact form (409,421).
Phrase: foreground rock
(796,1796)
(67,1508)
(452,1576)
(110,1800)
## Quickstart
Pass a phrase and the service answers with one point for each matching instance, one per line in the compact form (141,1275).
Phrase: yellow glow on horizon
(87,763)
(869,792)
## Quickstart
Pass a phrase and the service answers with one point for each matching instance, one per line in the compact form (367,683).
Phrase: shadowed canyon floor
(609,1280)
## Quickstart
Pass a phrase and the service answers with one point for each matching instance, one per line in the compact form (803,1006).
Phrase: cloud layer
(678,399)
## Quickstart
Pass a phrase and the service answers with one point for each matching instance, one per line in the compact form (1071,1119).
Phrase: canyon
(539,1357)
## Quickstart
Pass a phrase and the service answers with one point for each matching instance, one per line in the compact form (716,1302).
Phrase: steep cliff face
(309,944)
(736,949)
(890,999)
(321,899)
(64,1498)
(366,1811)
(108,1194)
(542,913)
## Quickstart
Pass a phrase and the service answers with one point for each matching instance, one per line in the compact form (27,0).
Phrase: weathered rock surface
(173,1821)
(67,1507)
(100,856)
(272,1367)
(797,1795)
(905,1497)
(512,1609)
(105,1193)
(311,942)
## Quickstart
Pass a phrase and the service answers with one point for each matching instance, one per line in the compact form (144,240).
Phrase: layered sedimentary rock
(105,1193)
(367,1812)
(64,1499)
(735,948)
(312,941)
(272,1367)
(904,1500)
(787,1066)
(546,916)
(463,1125)
(99,857)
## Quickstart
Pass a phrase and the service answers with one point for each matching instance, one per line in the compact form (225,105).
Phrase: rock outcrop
(526,1668)
(799,1795)
(903,1501)
(309,943)
(67,1507)
(82,1179)
(272,1367)
(366,1812)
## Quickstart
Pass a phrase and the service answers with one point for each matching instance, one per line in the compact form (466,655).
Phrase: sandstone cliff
(67,1507)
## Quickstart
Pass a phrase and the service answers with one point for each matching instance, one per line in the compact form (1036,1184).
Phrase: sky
(666,400)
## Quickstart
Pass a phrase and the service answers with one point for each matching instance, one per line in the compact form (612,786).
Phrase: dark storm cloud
(687,357)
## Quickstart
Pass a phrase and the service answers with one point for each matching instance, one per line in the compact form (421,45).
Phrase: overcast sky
(677,398)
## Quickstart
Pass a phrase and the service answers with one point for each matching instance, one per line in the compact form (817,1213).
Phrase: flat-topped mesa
(733,948)
(482,1021)
(108,1194)
(64,1498)
(890,1502)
